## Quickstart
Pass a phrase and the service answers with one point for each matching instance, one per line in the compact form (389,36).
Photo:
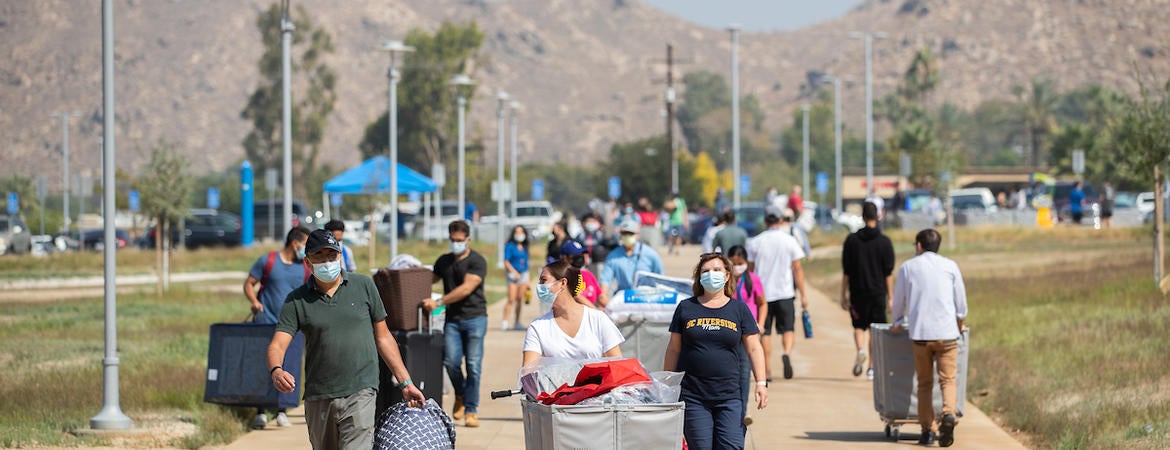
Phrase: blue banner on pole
(213,198)
(13,203)
(335,199)
(615,187)
(538,189)
(822,182)
(745,184)
(135,202)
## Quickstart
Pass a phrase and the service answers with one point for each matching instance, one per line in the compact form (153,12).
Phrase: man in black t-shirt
(867,262)
(462,272)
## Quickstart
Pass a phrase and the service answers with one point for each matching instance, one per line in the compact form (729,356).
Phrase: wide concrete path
(824,406)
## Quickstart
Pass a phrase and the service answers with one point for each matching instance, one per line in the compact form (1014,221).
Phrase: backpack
(270,263)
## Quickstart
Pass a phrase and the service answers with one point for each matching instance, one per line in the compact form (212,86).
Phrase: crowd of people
(742,291)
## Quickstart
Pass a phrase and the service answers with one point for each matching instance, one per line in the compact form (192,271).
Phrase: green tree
(643,166)
(165,190)
(1037,104)
(313,90)
(705,92)
(426,104)
(1144,141)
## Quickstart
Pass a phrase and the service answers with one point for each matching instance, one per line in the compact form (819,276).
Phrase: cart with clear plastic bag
(643,315)
(638,416)
(895,383)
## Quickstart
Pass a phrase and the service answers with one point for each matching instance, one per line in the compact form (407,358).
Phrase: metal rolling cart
(895,384)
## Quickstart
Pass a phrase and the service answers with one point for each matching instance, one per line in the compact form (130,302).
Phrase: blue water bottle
(804,317)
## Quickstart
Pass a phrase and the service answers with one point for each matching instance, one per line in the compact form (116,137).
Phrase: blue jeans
(713,424)
(465,341)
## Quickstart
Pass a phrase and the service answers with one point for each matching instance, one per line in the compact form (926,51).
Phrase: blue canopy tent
(373,177)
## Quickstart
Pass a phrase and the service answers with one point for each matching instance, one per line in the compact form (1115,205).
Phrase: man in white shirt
(930,301)
(775,256)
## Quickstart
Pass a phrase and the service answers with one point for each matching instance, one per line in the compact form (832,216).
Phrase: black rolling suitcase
(422,351)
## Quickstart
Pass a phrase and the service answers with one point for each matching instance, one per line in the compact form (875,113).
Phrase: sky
(756,15)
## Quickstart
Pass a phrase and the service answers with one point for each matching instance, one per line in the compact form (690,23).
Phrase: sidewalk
(824,406)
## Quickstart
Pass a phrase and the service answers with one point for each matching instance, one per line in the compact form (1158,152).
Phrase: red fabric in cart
(596,379)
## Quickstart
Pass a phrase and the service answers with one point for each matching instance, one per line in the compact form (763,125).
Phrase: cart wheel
(887,431)
(896,432)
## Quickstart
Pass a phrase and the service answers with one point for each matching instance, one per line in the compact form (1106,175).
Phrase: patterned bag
(402,427)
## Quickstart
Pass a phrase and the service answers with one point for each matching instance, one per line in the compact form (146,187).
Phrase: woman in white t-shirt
(569,329)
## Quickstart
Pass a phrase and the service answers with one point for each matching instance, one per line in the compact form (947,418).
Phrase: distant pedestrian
(337,227)
(516,266)
(730,236)
(1108,197)
(344,323)
(560,233)
(720,203)
(867,263)
(793,229)
(709,334)
(1076,200)
(597,243)
(717,225)
(679,222)
(872,197)
(1021,198)
(930,300)
(277,273)
(775,256)
(795,201)
(624,262)
(462,272)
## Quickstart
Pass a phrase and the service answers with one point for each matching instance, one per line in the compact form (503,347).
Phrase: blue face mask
(713,280)
(458,247)
(327,271)
(545,294)
(301,252)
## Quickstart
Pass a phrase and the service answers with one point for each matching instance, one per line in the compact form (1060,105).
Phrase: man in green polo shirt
(343,320)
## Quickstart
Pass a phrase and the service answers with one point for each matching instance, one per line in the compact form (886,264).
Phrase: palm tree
(1038,106)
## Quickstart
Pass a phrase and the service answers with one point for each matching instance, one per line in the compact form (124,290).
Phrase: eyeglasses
(710,255)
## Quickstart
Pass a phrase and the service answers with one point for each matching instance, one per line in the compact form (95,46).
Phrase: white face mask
(518,237)
(592,226)
(629,240)
(739,269)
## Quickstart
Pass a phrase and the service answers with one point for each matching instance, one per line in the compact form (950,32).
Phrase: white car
(1145,203)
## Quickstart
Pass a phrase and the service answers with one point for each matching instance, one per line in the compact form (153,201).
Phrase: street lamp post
(734,29)
(868,39)
(394,48)
(501,107)
(804,125)
(286,29)
(515,107)
(459,82)
(837,137)
(64,116)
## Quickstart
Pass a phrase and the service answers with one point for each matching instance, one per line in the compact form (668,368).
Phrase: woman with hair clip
(707,334)
(569,329)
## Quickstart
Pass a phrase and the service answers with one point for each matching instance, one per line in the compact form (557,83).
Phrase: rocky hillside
(585,70)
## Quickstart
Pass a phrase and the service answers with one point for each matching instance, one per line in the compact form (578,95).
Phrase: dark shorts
(1076,217)
(782,313)
(1106,213)
(865,311)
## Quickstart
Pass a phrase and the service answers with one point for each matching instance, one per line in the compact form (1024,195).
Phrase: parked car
(537,216)
(260,215)
(448,212)
(203,228)
(14,235)
(1090,207)
(1145,203)
(980,199)
(95,239)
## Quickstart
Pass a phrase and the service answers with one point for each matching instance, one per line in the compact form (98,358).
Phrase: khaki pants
(926,355)
(342,423)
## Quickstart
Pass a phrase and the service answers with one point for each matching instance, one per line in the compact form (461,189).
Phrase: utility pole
(64,116)
(868,39)
(670,96)
(734,29)
(804,125)
(286,29)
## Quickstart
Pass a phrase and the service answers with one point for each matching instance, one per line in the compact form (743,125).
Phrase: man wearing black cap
(342,317)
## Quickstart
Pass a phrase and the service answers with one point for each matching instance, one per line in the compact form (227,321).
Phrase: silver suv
(14,235)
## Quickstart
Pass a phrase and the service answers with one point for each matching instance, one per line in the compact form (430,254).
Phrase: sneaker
(946,430)
(869,373)
(787,368)
(927,438)
(504,326)
(260,422)
(457,411)
(859,363)
(282,420)
(472,420)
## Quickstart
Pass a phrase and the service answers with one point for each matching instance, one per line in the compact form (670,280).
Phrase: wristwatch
(762,383)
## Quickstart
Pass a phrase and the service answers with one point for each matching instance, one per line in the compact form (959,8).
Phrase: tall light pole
(804,125)
(837,138)
(734,29)
(868,38)
(501,107)
(394,48)
(515,107)
(286,29)
(64,116)
(460,82)
(111,416)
